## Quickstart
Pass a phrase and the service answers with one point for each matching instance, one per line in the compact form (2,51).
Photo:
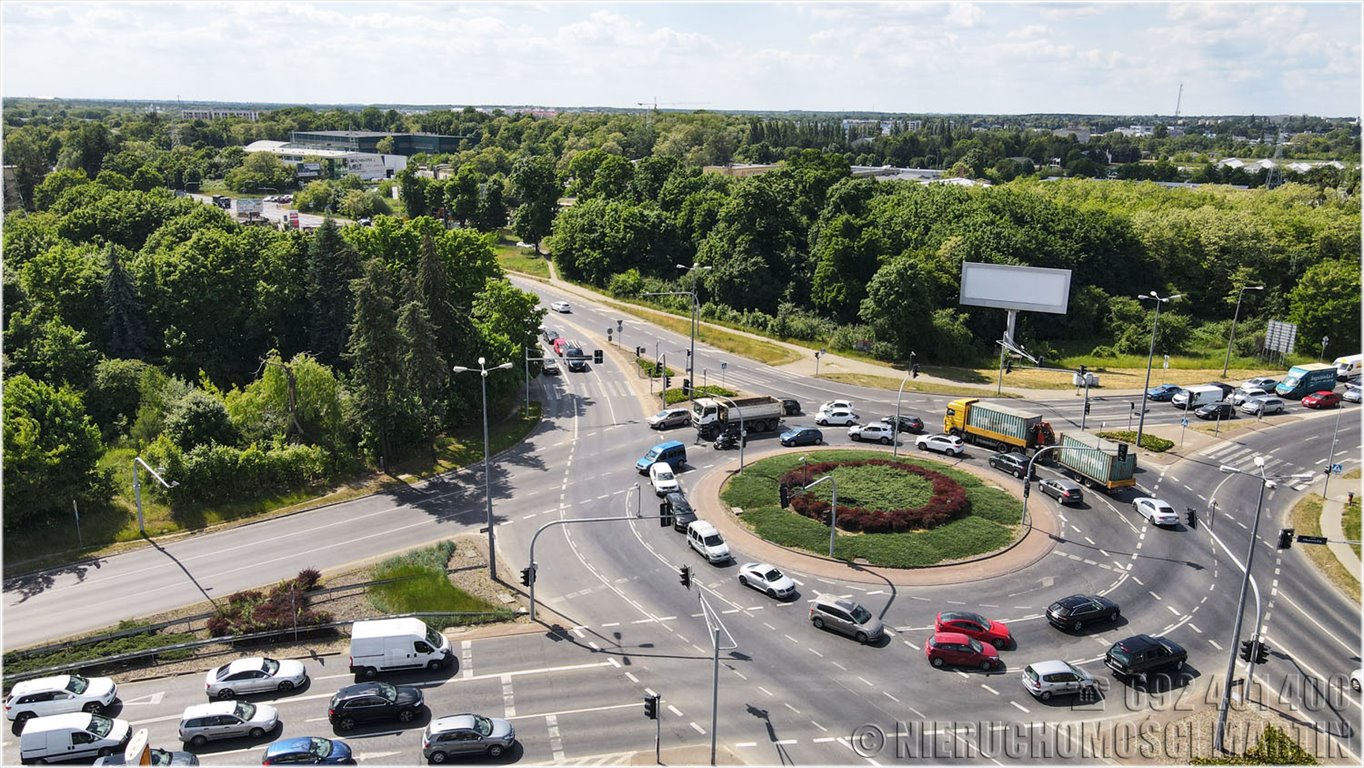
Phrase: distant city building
(914,125)
(740,169)
(406,144)
(309,160)
(214,114)
(1081,134)
(1135,131)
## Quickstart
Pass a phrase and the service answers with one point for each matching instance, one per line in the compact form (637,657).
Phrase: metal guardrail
(194,644)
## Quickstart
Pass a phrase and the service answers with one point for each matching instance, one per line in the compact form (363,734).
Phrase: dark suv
(1015,464)
(577,359)
(1141,654)
(367,702)
(675,509)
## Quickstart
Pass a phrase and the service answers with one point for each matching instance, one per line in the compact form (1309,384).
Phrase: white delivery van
(1348,366)
(384,644)
(1197,397)
(75,735)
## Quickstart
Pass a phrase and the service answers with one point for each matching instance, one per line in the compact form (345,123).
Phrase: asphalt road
(788,693)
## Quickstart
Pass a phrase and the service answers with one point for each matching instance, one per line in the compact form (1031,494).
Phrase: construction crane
(1178,100)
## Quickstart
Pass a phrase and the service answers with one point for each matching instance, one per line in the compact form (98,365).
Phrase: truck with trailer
(997,426)
(1303,380)
(1108,468)
(759,413)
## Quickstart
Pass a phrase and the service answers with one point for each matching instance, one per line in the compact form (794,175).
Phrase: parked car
(1140,655)
(837,405)
(911,424)
(767,579)
(1216,411)
(845,617)
(942,443)
(1162,393)
(1352,393)
(308,750)
(254,674)
(790,407)
(836,417)
(374,700)
(156,756)
(1321,399)
(1015,464)
(669,418)
(1243,394)
(1267,383)
(1155,510)
(561,306)
(467,734)
(1263,405)
(874,432)
(662,477)
(549,367)
(226,720)
(1044,679)
(802,436)
(975,626)
(58,695)
(960,651)
(1063,490)
(1077,611)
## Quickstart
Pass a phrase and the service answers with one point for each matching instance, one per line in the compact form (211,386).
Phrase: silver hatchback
(466,734)
(1045,679)
(846,617)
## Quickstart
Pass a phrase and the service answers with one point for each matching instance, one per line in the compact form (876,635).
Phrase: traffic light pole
(553,523)
(1225,704)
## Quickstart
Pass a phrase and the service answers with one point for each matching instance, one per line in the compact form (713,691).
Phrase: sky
(911,57)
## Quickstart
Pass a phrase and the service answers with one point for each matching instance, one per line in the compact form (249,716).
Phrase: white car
(1243,394)
(1157,511)
(1044,679)
(838,417)
(1265,405)
(702,537)
(1357,680)
(876,432)
(942,443)
(561,306)
(253,675)
(837,405)
(663,479)
(767,579)
(59,695)
(1352,393)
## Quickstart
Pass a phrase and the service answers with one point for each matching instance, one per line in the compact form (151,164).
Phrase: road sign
(1337,469)
(1166,364)
(1184,422)
(1311,539)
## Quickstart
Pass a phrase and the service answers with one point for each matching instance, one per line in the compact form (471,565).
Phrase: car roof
(951,637)
(224,707)
(359,689)
(837,602)
(1051,667)
(1061,481)
(295,744)
(54,683)
(702,527)
(452,722)
(240,665)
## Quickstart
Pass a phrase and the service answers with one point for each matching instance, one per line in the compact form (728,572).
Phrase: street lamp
(695,317)
(137,489)
(1239,295)
(1324,341)
(895,428)
(1141,420)
(487,483)
(1265,482)
(833,507)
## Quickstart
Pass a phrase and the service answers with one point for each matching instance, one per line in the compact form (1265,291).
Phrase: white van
(1197,397)
(703,538)
(1348,366)
(384,644)
(76,735)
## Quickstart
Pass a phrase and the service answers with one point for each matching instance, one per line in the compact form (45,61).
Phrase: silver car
(465,735)
(846,617)
(1261,406)
(670,417)
(1045,679)
(226,720)
(254,674)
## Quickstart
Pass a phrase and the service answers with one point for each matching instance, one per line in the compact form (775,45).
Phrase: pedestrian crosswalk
(1243,458)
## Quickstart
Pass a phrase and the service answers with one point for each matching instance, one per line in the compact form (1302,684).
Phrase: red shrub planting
(252,611)
(948,503)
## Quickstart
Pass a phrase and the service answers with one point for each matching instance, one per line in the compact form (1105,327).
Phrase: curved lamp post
(1239,295)
(487,483)
(137,489)
(1141,420)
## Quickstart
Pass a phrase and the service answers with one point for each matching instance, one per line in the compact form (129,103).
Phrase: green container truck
(1099,468)
(996,425)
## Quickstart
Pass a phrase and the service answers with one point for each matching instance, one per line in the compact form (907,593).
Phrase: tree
(49,350)
(126,318)
(55,184)
(424,370)
(115,395)
(491,212)
(199,418)
(332,265)
(1326,303)
(384,146)
(25,153)
(895,306)
(535,190)
(463,194)
(261,410)
(375,354)
(413,192)
(52,452)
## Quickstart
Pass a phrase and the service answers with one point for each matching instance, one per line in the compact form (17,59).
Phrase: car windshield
(483,725)
(664,474)
(161,757)
(1030,673)
(974,643)
(714,540)
(244,711)
(320,747)
(77,684)
(1289,382)
(1120,655)
(861,615)
(269,666)
(652,455)
(100,726)
(772,575)
(434,638)
(662,414)
(387,690)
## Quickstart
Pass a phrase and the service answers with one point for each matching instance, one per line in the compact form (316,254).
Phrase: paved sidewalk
(1332,524)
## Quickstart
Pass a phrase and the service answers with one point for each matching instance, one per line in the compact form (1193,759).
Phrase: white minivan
(76,735)
(384,644)
(1196,397)
(707,542)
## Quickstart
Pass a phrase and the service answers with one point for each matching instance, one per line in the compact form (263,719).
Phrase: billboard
(1004,286)
(1281,336)
(249,207)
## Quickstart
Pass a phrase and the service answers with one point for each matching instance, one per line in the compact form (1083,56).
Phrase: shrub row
(285,605)
(215,472)
(1148,441)
(948,503)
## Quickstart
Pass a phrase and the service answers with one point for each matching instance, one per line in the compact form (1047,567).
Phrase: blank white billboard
(1031,289)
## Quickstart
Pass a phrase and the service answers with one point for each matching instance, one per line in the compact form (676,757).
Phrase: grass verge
(736,343)
(991,524)
(1120,374)
(893,384)
(424,586)
(1305,519)
(1350,520)
(514,259)
(1148,441)
(129,644)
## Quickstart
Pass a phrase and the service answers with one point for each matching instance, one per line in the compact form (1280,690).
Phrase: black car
(1076,611)
(1141,654)
(1015,464)
(912,424)
(802,436)
(577,359)
(549,335)
(1216,411)
(790,407)
(1061,489)
(367,702)
(676,509)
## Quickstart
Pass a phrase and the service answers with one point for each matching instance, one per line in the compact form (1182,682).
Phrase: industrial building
(406,144)
(308,160)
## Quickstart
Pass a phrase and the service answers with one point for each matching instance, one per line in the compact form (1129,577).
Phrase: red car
(975,626)
(560,344)
(1323,399)
(959,650)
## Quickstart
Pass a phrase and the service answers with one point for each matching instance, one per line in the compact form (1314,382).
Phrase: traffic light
(664,519)
(1193,518)
(1008,365)
(653,373)
(1286,538)
(686,576)
(639,351)
(1122,451)
(651,707)
(1086,407)
(596,356)
(686,387)
(1261,652)
(667,381)
(1247,650)
(784,494)
(527,576)
(1084,373)
(914,371)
